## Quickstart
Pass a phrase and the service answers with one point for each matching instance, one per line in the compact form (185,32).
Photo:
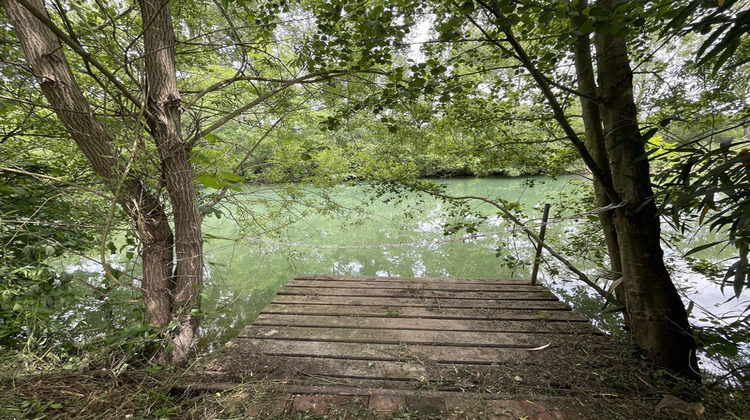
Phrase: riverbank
(119,388)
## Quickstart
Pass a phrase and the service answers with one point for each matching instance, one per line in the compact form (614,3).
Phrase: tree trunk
(592,122)
(170,289)
(655,313)
(163,104)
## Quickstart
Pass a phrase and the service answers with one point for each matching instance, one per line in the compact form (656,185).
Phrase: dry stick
(538,256)
(608,296)
(52,178)
(23,222)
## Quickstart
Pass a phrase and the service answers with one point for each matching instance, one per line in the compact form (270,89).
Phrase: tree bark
(654,310)
(163,118)
(655,313)
(592,122)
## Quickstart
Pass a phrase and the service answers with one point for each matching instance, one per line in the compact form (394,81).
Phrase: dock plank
(382,352)
(400,336)
(418,292)
(422,284)
(427,302)
(408,280)
(518,313)
(476,325)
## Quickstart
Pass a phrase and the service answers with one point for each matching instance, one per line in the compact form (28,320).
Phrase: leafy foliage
(327,92)
(724,23)
(711,188)
(39,225)
(708,179)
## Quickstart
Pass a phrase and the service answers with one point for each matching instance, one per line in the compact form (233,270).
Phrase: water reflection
(244,275)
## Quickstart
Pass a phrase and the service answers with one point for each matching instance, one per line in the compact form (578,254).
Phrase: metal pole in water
(539,247)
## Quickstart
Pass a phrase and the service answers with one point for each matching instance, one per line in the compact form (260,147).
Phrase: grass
(108,384)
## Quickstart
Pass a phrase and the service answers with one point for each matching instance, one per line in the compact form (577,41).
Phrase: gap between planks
(432,302)
(463,294)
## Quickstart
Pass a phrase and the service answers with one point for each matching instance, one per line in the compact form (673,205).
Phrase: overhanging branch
(534,237)
(285,84)
(78,49)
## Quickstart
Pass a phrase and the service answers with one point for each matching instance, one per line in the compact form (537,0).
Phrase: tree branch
(534,237)
(51,178)
(543,84)
(78,49)
(286,84)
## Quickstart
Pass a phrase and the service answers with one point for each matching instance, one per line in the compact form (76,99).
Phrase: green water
(244,275)
(246,265)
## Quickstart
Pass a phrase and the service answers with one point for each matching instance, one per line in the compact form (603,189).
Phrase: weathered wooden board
(438,302)
(421,284)
(476,325)
(403,332)
(418,292)
(525,313)
(383,352)
(399,336)
(408,280)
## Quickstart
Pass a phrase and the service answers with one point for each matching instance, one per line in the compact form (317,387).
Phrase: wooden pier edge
(372,338)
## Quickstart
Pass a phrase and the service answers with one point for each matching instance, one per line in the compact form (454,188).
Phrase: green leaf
(230,176)
(587,27)
(49,250)
(598,11)
(649,134)
(702,247)
(209,181)
(466,7)
(546,17)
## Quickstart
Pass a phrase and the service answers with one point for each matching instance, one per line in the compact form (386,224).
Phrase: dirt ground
(589,377)
(602,380)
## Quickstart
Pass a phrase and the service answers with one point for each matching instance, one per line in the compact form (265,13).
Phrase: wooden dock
(431,344)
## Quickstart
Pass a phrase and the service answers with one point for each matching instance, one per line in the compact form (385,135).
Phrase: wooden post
(538,257)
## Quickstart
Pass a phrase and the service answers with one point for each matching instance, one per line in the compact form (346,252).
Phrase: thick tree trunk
(592,122)
(163,105)
(656,315)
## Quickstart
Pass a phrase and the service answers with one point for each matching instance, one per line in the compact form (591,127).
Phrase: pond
(245,274)
(245,267)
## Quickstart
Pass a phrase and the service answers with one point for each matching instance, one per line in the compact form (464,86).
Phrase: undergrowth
(115,380)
